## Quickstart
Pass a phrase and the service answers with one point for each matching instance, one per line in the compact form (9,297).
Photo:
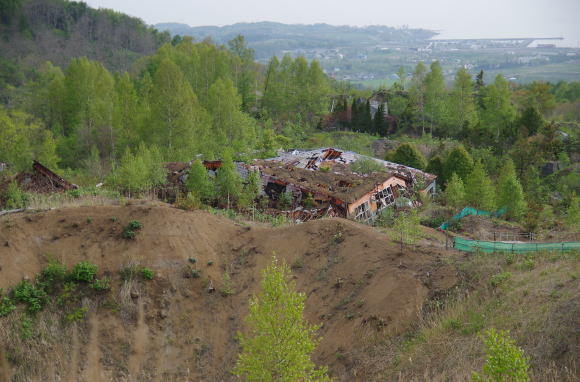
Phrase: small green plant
(76,315)
(34,298)
(338,237)
(89,220)
(227,288)
(6,305)
(195,273)
(499,279)
(285,200)
(129,231)
(114,219)
(26,326)
(14,197)
(308,202)
(192,260)
(210,263)
(527,265)
(510,258)
(147,273)
(101,285)
(53,273)
(505,361)
(68,293)
(83,272)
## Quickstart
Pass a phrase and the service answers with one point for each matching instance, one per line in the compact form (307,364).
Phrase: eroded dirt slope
(174,328)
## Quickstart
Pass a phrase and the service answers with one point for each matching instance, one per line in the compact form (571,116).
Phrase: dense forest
(92,118)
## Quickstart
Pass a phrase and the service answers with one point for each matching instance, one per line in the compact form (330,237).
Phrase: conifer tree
(379,123)
(459,162)
(199,182)
(436,167)
(509,191)
(280,342)
(455,192)
(408,155)
(479,192)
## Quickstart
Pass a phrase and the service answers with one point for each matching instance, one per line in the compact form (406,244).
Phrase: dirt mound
(174,327)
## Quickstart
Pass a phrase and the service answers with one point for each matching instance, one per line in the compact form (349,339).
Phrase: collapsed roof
(338,182)
(316,158)
(41,180)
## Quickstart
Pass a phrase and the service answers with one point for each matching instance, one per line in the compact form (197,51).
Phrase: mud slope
(174,328)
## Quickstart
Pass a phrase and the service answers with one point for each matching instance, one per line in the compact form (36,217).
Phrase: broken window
(384,198)
(362,212)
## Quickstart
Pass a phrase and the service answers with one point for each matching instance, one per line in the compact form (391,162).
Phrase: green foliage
(101,285)
(199,182)
(408,155)
(147,273)
(129,231)
(573,214)
(459,162)
(83,272)
(455,192)
(34,298)
(366,166)
(14,197)
(385,218)
(505,361)
(479,191)
(499,279)
(54,273)
(309,201)
(407,227)
(279,342)
(140,172)
(251,190)
(77,314)
(228,181)
(509,192)
(6,304)
(285,200)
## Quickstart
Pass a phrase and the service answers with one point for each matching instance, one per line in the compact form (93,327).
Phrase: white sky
(455,18)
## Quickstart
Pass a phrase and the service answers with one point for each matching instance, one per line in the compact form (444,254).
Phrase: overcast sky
(454,18)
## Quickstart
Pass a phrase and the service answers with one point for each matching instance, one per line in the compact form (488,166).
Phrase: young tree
(379,123)
(455,192)
(573,214)
(252,189)
(435,95)
(408,228)
(280,342)
(408,155)
(463,113)
(497,113)
(417,92)
(199,182)
(479,190)
(505,360)
(509,191)
(228,181)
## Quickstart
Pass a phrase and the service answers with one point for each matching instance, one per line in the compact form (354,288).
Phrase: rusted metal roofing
(313,159)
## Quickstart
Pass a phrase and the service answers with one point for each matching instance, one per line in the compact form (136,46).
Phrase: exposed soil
(358,286)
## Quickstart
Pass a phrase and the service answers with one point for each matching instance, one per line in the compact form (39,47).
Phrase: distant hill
(34,31)
(269,38)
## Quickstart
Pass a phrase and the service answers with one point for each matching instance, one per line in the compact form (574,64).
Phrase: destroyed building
(40,180)
(325,174)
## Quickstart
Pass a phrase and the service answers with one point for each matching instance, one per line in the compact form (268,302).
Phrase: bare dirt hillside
(178,327)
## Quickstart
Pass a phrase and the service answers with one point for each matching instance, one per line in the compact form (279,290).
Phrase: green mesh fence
(498,246)
(472,211)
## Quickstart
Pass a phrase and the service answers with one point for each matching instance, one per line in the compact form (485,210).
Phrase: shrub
(130,272)
(34,298)
(6,306)
(102,285)
(129,230)
(192,260)
(285,200)
(308,202)
(195,273)
(190,202)
(505,360)
(83,272)
(52,274)
(366,166)
(499,279)
(76,315)
(14,197)
(147,274)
